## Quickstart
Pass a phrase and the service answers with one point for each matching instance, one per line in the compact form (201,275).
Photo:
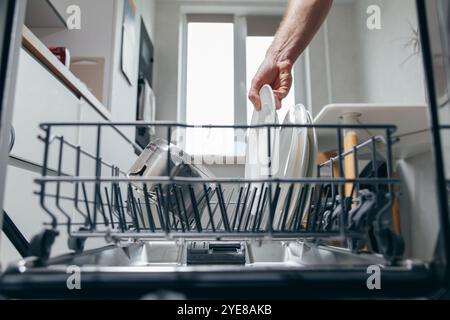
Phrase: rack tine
(164,219)
(229,199)
(307,205)
(149,210)
(113,170)
(310,210)
(255,215)
(108,203)
(273,205)
(236,209)
(222,207)
(230,196)
(324,207)
(317,209)
(195,209)
(333,186)
(77,174)
(183,205)
(169,209)
(98,170)
(58,186)
(219,224)
(177,203)
(132,208)
(227,204)
(102,208)
(260,211)
(250,209)
(173,211)
(89,220)
(116,205)
(244,205)
(244,208)
(356,168)
(300,208)
(208,205)
(121,207)
(96,193)
(140,211)
(374,169)
(342,187)
(287,207)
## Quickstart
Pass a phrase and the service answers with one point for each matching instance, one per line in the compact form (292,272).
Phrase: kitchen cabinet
(23,207)
(40,97)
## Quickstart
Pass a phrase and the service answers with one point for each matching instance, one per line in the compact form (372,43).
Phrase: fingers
(284,83)
(277,75)
(253,94)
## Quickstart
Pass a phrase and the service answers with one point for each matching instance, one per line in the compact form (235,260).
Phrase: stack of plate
(257,152)
(294,155)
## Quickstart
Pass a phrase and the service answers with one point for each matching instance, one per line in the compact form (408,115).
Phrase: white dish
(295,162)
(312,167)
(256,166)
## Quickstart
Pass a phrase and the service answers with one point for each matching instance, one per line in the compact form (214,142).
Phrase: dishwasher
(183,233)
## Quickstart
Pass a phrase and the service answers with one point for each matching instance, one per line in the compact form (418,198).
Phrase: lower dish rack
(118,206)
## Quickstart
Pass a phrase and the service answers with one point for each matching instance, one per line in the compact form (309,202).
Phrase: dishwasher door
(151,258)
(272,270)
(12,15)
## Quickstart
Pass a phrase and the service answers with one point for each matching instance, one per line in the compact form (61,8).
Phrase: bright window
(210,87)
(221,55)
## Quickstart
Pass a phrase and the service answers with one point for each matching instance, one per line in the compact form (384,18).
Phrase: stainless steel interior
(171,256)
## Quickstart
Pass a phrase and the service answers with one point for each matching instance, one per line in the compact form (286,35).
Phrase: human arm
(301,22)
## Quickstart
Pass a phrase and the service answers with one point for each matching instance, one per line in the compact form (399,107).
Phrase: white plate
(256,165)
(296,160)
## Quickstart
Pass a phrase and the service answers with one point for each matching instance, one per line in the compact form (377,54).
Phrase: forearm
(302,21)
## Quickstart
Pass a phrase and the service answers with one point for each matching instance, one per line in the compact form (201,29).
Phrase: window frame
(239,14)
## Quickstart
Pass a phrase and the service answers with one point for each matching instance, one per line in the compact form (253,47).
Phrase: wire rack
(110,203)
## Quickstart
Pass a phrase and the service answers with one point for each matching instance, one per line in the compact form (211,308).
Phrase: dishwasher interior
(183,224)
(174,230)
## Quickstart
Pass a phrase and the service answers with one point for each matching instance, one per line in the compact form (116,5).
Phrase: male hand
(277,75)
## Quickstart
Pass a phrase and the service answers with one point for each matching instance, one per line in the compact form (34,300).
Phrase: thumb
(253,96)
(277,100)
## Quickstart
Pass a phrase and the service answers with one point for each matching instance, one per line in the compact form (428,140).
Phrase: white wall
(94,39)
(342,53)
(386,74)
(332,54)
(166,59)
(147,10)
(363,65)
(123,95)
